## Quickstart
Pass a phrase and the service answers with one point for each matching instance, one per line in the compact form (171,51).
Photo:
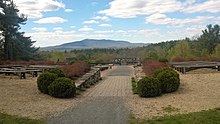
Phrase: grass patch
(134,86)
(170,109)
(8,119)
(203,117)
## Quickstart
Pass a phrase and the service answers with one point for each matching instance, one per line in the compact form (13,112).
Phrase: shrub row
(54,83)
(76,69)
(149,66)
(134,86)
(27,63)
(149,87)
(164,80)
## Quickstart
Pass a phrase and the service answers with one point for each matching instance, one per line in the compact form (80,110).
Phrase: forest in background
(15,46)
(204,47)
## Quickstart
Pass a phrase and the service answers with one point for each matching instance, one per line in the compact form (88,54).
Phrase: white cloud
(163,19)
(86,29)
(72,26)
(211,6)
(57,28)
(52,20)
(104,18)
(133,8)
(39,29)
(183,32)
(35,8)
(121,31)
(68,10)
(104,32)
(189,2)
(90,22)
(146,32)
(217,20)
(105,25)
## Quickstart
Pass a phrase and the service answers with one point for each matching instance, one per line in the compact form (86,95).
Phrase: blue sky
(54,22)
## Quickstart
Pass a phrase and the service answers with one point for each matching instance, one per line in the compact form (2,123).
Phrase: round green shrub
(163,60)
(62,88)
(169,80)
(164,69)
(56,71)
(44,80)
(149,87)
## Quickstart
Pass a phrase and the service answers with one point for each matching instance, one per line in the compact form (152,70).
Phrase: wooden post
(181,70)
(184,70)
(178,69)
(34,74)
(22,75)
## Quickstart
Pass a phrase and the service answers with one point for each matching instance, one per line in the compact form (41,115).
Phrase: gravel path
(199,90)
(104,103)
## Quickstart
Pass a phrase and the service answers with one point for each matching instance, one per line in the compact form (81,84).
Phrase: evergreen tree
(210,38)
(15,45)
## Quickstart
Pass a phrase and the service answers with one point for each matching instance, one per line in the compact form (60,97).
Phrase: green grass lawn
(203,117)
(8,119)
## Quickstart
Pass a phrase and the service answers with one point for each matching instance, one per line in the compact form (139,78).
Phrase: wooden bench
(183,67)
(20,72)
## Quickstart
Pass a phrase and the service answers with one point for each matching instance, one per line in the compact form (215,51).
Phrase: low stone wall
(89,78)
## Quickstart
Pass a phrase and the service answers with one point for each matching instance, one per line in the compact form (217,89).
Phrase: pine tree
(15,45)
(210,37)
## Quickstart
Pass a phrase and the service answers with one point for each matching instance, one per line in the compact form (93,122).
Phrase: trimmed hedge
(149,87)
(62,88)
(164,69)
(169,79)
(44,80)
(56,71)
(134,86)
(164,80)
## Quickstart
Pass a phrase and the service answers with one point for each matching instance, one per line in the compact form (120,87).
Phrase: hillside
(92,43)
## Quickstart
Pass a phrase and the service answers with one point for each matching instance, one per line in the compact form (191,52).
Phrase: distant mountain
(92,43)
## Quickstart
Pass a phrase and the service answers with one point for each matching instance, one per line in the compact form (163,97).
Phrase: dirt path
(104,104)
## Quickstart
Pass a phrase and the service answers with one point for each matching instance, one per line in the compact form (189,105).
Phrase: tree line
(14,45)
(204,47)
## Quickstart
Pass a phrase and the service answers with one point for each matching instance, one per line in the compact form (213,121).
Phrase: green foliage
(163,60)
(169,79)
(62,88)
(56,71)
(170,109)
(9,119)
(44,80)
(182,49)
(149,87)
(16,46)
(216,52)
(210,37)
(57,56)
(156,72)
(203,117)
(134,86)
